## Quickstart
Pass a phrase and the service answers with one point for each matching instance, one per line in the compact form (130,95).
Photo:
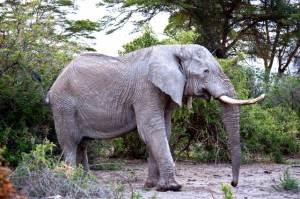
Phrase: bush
(226,189)
(29,41)
(40,174)
(287,182)
(23,119)
(285,92)
(270,131)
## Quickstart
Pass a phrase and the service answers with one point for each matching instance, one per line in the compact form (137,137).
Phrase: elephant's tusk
(189,102)
(232,101)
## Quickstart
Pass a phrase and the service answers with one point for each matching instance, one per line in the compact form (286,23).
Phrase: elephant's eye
(206,70)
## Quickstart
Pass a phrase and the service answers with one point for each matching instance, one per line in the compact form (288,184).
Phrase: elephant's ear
(165,72)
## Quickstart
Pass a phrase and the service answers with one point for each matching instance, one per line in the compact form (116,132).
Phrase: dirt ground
(204,180)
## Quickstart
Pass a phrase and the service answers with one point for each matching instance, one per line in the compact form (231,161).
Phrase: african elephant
(99,97)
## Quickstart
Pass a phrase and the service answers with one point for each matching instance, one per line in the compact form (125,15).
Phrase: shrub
(270,131)
(226,189)
(287,182)
(23,119)
(285,92)
(28,41)
(41,174)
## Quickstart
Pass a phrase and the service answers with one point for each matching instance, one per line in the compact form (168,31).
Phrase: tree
(279,40)
(146,40)
(149,38)
(32,24)
(225,26)
(35,34)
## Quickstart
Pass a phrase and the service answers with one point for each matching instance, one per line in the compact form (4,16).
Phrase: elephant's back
(97,75)
(90,71)
(96,81)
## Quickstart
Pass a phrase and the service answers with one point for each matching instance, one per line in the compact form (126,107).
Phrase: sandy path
(204,180)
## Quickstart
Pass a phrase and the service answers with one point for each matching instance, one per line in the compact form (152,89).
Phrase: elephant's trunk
(231,117)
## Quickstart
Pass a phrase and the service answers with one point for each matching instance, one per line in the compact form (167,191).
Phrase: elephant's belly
(106,123)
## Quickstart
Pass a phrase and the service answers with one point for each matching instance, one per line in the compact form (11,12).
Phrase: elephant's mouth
(204,95)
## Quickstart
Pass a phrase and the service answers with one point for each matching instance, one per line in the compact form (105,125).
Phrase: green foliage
(34,36)
(108,166)
(287,182)
(198,133)
(41,175)
(41,156)
(136,195)
(270,131)
(82,28)
(273,127)
(226,26)
(182,37)
(226,189)
(146,40)
(149,38)
(132,146)
(284,92)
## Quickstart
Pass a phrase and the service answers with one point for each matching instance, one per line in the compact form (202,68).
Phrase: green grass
(107,166)
(293,162)
(287,182)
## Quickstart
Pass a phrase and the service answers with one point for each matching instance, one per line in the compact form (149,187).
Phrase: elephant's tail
(38,79)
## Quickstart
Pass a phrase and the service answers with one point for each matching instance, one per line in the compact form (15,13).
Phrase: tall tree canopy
(34,26)
(270,27)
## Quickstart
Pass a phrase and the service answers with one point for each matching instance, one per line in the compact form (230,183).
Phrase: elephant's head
(190,70)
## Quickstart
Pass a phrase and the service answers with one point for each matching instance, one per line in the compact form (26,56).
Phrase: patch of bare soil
(204,180)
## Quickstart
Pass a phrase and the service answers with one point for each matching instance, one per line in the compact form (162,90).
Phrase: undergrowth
(287,182)
(40,174)
(227,192)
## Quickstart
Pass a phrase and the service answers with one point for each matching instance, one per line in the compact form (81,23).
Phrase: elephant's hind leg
(81,157)
(68,134)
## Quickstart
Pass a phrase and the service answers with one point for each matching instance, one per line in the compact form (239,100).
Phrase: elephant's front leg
(162,155)
(153,169)
(153,172)
(152,130)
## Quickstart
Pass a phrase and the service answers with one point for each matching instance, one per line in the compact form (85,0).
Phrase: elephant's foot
(168,184)
(150,182)
(153,173)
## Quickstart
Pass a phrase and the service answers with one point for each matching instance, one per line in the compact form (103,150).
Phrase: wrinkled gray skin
(99,97)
